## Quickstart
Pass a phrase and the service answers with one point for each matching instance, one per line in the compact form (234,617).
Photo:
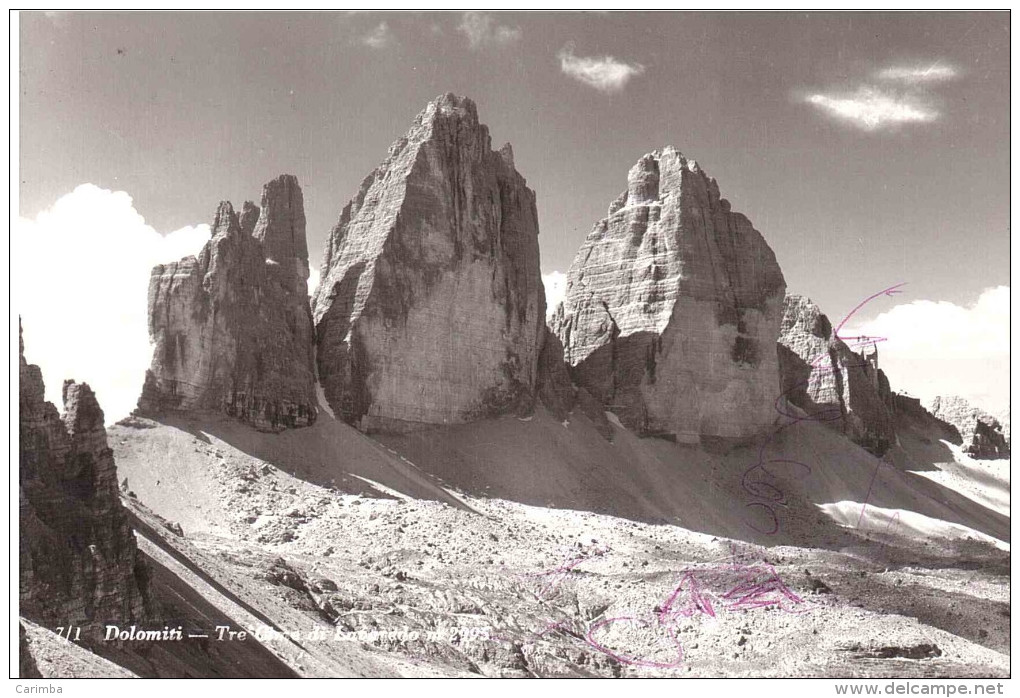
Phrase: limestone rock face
(981,433)
(280,227)
(672,309)
(249,217)
(553,384)
(430,308)
(232,328)
(910,412)
(832,383)
(78,560)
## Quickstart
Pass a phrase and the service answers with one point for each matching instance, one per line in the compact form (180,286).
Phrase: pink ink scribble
(894,520)
(768,495)
(551,626)
(867,497)
(627,659)
(735,588)
(890,292)
(705,591)
(558,575)
(698,601)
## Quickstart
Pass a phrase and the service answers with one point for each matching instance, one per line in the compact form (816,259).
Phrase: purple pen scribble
(627,659)
(753,586)
(867,498)
(559,574)
(894,520)
(720,588)
(769,494)
(891,291)
(551,626)
(699,602)
(760,590)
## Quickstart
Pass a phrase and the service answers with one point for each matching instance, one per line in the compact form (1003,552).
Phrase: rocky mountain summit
(431,308)
(232,327)
(672,308)
(823,376)
(77,559)
(982,434)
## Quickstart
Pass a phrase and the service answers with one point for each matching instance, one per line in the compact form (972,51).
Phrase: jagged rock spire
(232,328)
(672,308)
(430,307)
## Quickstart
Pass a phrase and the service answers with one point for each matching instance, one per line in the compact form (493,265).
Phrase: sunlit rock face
(832,383)
(78,559)
(232,328)
(431,308)
(672,309)
(982,435)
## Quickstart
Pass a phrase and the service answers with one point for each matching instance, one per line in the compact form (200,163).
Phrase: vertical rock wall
(78,560)
(430,308)
(832,383)
(232,327)
(672,309)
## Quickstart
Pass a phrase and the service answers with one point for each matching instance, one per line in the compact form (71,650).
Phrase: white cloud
(555,290)
(940,348)
(379,38)
(80,284)
(313,281)
(891,97)
(936,72)
(604,73)
(872,109)
(481,29)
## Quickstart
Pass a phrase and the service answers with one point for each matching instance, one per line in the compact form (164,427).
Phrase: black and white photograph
(510,344)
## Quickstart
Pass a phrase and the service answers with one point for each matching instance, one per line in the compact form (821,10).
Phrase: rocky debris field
(355,580)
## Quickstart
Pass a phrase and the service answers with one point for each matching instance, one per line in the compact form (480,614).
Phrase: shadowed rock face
(1003,417)
(27,668)
(910,412)
(232,328)
(832,383)
(981,433)
(78,560)
(431,307)
(553,385)
(672,308)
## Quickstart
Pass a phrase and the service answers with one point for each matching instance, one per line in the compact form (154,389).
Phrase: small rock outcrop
(835,385)
(981,433)
(78,559)
(232,328)
(431,308)
(1004,420)
(672,309)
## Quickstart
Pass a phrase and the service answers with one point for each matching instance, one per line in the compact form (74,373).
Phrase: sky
(869,149)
